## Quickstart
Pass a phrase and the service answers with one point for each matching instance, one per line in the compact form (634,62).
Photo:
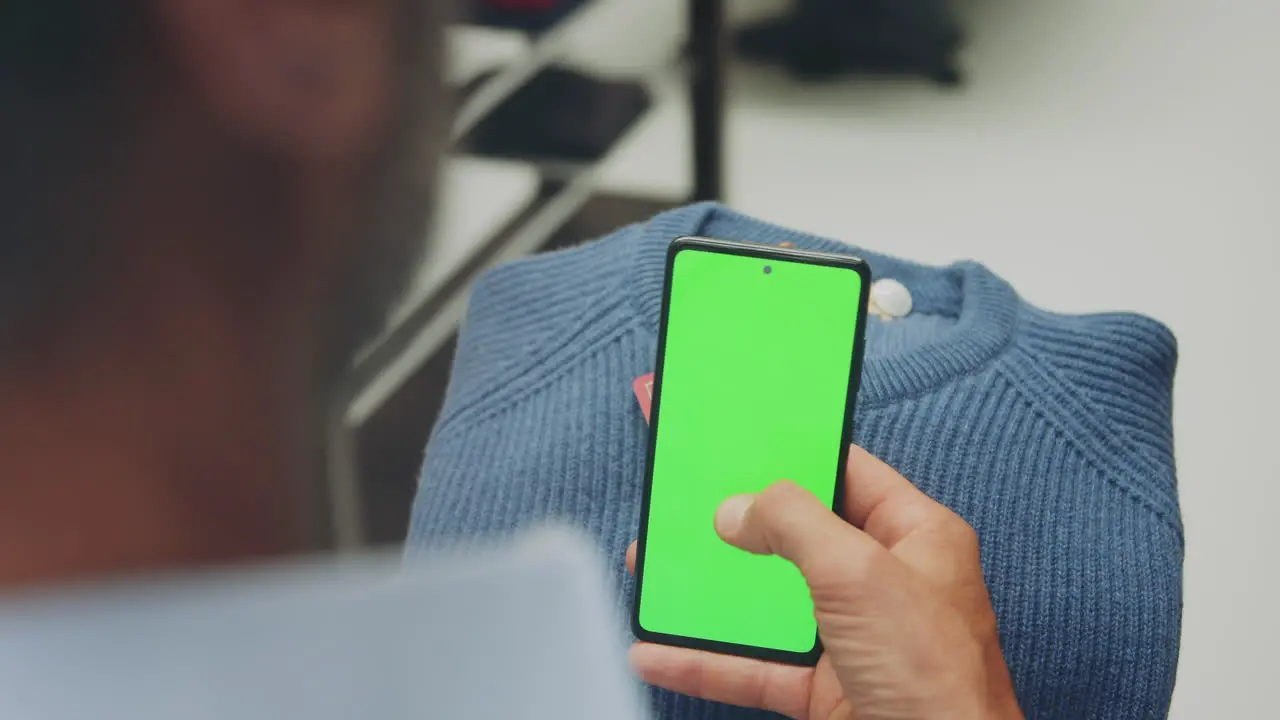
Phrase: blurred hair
(68,111)
(60,61)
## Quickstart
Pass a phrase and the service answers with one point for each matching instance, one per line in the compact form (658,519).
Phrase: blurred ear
(310,79)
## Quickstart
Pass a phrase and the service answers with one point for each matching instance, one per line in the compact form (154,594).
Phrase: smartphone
(759,355)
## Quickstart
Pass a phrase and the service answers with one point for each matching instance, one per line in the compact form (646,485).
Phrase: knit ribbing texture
(1050,434)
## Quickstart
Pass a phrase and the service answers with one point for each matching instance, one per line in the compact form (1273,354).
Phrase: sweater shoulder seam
(1122,478)
(1045,368)
(495,401)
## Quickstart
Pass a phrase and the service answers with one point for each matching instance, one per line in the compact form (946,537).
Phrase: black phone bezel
(764,252)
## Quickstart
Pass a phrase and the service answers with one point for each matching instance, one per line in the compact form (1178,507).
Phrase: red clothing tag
(643,387)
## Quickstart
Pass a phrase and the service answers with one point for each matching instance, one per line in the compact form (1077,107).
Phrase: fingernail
(731,515)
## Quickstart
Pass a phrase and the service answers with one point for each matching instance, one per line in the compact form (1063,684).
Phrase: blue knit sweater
(1049,433)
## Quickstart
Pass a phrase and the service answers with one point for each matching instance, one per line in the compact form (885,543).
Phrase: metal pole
(708,53)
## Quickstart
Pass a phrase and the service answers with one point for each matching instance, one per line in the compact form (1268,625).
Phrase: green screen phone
(759,354)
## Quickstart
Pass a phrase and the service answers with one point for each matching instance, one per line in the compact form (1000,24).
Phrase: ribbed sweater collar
(985,307)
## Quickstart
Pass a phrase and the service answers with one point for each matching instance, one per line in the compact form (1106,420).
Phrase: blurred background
(1098,154)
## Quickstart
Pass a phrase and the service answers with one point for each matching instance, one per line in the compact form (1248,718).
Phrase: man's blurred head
(207,205)
(308,125)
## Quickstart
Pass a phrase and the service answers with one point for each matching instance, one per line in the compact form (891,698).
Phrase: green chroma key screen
(753,386)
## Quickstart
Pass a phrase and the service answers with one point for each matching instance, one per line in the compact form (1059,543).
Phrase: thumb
(791,522)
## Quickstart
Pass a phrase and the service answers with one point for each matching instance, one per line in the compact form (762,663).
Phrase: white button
(891,298)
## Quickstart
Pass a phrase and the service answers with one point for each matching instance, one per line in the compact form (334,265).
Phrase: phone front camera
(768,269)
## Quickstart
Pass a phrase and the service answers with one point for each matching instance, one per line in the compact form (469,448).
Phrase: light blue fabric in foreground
(1049,433)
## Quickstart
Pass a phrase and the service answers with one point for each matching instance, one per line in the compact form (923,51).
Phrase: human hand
(905,619)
